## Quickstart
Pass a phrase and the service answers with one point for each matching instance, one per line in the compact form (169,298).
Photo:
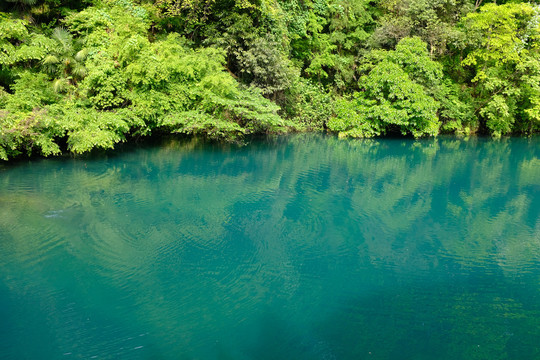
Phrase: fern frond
(81,55)
(50,60)
(79,70)
(64,37)
(61,85)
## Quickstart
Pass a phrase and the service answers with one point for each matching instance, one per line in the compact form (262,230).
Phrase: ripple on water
(314,252)
(43,248)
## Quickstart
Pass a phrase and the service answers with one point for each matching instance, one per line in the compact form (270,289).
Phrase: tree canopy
(82,74)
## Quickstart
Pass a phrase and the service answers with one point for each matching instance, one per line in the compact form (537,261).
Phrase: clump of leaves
(396,93)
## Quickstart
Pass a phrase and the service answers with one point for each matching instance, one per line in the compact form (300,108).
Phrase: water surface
(298,247)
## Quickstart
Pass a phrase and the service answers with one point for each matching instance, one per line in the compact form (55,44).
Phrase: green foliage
(264,66)
(197,10)
(351,120)
(23,125)
(308,105)
(395,94)
(327,38)
(25,132)
(11,30)
(64,61)
(112,81)
(105,87)
(433,21)
(87,128)
(17,45)
(401,100)
(184,81)
(256,55)
(457,110)
(77,77)
(31,91)
(505,57)
(500,33)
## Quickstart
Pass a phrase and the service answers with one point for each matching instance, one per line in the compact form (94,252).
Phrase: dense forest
(82,74)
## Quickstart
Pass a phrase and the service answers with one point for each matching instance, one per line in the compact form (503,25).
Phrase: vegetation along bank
(82,74)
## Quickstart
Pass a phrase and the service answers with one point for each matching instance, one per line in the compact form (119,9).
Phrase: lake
(290,247)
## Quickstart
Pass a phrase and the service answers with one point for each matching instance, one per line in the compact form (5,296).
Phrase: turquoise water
(299,247)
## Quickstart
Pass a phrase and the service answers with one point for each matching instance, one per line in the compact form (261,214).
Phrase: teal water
(299,247)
